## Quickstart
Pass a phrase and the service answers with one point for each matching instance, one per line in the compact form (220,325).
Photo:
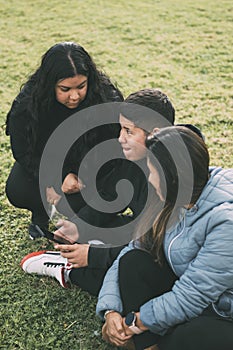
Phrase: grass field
(181,47)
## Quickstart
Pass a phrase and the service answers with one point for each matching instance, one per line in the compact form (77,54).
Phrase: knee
(10,192)
(134,260)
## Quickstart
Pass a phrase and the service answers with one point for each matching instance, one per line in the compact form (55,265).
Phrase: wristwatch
(130,321)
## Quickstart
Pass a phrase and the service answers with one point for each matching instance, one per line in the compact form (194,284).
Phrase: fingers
(66,238)
(77,254)
(67,230)
(66,248)
(113,330)
(52,196)
(71,190)
(81,185)
(117,340)
(76,266)
(60,223)
(59,233)
(56,200)
(72,184)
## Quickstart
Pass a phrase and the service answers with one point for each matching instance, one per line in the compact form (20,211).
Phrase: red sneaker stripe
(31,255)
(64,284)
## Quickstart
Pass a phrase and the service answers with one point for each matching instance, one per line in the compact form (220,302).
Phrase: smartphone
(50,235)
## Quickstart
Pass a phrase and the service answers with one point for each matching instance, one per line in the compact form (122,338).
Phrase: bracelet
(108,312)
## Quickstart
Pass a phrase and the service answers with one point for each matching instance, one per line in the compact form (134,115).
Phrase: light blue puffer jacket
(200,251)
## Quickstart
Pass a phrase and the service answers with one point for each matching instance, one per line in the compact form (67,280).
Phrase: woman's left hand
(139,324)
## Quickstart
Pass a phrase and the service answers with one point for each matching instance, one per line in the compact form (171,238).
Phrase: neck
(189,206)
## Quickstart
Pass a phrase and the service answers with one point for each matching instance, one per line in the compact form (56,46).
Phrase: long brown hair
(181,159)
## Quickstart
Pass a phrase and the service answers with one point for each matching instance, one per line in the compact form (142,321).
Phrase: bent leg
(91,278)
(23,192)
(88,279)
(142,279)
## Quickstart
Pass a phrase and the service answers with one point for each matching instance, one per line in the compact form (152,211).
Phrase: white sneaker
(47,263)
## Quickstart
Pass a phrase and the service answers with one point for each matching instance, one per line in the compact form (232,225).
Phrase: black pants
(88,279)
(24,192)
(141,279)
(91,278)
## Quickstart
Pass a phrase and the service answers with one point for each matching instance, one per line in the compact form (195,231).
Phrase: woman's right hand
(113,330)
(72,184)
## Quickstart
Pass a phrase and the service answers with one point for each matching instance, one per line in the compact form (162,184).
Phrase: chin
(132,158)
(72,107)
(127,156)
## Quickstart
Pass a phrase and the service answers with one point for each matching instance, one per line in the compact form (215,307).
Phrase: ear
(155,130)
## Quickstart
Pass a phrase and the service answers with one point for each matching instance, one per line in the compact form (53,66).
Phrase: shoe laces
(54,264)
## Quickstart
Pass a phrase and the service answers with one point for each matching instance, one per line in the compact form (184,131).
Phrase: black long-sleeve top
(112,228)
(103,256)
(18,128)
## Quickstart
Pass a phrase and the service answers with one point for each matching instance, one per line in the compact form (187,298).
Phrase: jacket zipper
(169,247)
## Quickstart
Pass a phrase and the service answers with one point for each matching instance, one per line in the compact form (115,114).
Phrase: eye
(82,86)
(129,132)
(64,89)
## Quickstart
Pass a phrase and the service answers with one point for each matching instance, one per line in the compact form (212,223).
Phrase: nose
(122,138)
(74,95)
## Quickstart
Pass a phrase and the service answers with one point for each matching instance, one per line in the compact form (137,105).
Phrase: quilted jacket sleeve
(204,281)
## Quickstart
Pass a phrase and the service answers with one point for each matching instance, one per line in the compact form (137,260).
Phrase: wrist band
(108,312)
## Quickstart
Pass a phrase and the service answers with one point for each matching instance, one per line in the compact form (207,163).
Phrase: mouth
(72,105)
(126,149)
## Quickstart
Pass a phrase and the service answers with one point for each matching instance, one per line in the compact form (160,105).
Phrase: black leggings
(141,279)
(24,192)
(88,279)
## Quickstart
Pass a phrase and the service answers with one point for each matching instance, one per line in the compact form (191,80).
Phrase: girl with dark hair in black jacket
(66,82)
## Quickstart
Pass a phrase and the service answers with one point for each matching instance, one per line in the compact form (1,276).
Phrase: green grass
(181,47)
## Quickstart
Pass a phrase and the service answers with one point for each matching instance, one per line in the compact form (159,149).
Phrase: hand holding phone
(51,236)
(67,230)
(77,254)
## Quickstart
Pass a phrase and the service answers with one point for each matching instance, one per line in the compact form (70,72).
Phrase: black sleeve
(114,234)
(105,185)
(114,228)
(17,128)
(75,155)
(100,219)
(102,257)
